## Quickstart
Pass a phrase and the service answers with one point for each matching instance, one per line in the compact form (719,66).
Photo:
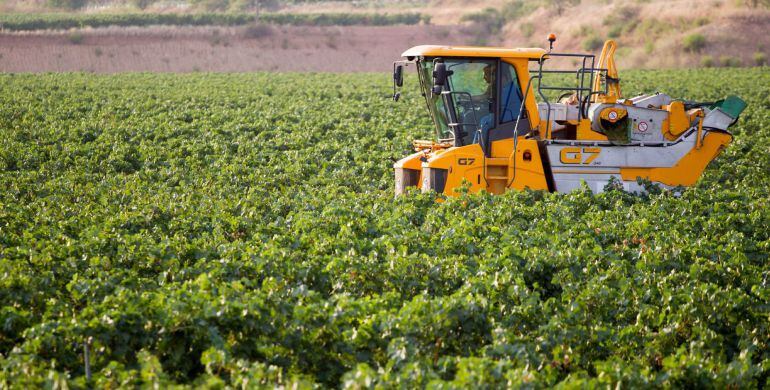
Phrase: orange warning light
(551,40)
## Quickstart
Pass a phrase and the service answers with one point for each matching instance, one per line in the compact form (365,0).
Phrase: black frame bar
(583,74)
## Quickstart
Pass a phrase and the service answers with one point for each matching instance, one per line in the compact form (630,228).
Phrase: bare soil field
(217,49)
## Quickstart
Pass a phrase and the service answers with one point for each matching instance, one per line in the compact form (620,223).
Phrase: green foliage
(560,5)
(212,5)
(491,18)
(694,43)
(592,43)
(26,22)
(75,37)
(141,4)
(527,29)
(729,61)
(757,3)
(615,31)
(258,30)
(649,47)
(69,5)
(240,230)
(343,19)
(516,9)
(626,23)
(585,30)
(707,61)
(760,59)
(651,28)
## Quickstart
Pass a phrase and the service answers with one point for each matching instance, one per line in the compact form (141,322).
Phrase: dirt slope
(651,34)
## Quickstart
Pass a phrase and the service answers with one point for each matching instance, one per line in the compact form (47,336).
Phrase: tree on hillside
(67,4)
(757,3)
(560,5)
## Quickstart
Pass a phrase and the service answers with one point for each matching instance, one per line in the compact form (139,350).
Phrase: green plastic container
(731,105)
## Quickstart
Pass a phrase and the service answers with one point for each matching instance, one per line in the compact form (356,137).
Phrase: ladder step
(497,161)
(497,177)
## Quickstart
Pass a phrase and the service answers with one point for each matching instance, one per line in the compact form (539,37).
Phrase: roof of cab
(473,51)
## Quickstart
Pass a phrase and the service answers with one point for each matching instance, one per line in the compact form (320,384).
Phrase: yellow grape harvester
(499,125)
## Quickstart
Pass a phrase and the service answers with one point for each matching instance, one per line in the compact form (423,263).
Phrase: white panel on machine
(655,100)
(559,111)
(604,156)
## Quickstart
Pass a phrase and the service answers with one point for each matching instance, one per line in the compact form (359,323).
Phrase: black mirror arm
(439,76)
(398,75)
(398,79)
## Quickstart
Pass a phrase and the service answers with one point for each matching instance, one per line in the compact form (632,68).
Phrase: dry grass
(652,33)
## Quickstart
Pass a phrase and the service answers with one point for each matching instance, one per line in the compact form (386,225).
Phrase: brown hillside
(651,34)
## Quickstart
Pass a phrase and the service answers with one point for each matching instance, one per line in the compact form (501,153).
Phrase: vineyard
(241,230)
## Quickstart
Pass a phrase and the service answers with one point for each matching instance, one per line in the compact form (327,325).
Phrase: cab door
(508,106)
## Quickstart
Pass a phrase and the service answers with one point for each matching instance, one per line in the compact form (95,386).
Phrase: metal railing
(584,74)
(584,81)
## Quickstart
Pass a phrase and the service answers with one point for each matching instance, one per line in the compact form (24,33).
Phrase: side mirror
(439,77)
(398,75)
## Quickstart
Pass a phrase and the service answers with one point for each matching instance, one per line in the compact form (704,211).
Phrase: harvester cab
(498,125)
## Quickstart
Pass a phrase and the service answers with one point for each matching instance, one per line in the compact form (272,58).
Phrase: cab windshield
(464,108)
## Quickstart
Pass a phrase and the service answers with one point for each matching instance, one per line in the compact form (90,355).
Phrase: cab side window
(510,94)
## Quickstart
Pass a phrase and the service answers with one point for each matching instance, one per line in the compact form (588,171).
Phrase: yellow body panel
(411,161)
(584,132)
(462,163)
(473,51)
(528,173)
(687,171)
(492,174)
(530,104)
(677,122)
(607,61)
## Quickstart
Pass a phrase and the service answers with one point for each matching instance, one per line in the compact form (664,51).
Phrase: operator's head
(489,73)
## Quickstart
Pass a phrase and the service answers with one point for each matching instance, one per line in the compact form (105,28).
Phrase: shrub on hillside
(527,29)
(584,30)
(67,4)
(760,59)
(212,5)
(517,9)
(694,43)
(75,37)
(257,30)
(251,5)
(141,4)
(593,43)
(729,61)
(341,19)
(615,31)
(560,5)
(489,18)
(649,47)
(707,61)
(622,20)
